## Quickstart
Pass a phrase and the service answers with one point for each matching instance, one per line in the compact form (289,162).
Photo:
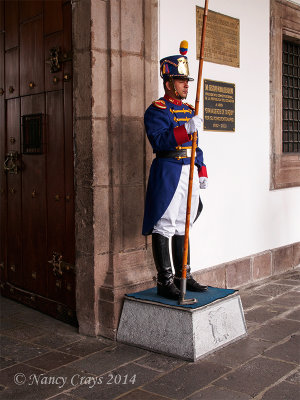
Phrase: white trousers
(173,220)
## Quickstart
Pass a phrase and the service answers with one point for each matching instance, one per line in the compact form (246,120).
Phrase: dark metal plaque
(222,41)
(219,106)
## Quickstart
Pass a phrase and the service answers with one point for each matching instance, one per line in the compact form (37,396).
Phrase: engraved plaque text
(222,40)
(219,106)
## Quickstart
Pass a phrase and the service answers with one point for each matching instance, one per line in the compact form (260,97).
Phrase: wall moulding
(253,268)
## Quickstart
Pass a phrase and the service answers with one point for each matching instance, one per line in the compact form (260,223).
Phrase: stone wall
(115,79)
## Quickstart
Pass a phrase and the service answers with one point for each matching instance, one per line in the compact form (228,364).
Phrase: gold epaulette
(160,104)
(189,105)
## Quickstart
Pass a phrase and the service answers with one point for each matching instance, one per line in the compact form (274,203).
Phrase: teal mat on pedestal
(203,298)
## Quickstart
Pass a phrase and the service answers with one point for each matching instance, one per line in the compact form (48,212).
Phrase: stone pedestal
(182,332)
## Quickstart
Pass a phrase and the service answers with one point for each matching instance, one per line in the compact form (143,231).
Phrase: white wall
(241,216)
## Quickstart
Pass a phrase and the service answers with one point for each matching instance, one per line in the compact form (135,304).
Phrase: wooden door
(37,255)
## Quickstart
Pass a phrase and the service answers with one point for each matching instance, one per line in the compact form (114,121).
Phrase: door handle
(10,163)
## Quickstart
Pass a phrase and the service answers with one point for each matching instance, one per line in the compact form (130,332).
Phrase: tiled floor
(42,358)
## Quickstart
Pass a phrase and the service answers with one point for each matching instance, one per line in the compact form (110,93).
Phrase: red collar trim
(174,101)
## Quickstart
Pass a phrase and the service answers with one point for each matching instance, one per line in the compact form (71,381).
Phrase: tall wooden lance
(182,299)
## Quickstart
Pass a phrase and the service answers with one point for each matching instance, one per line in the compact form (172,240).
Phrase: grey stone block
(283,390)
(181,382)
(255,375)
(182,332)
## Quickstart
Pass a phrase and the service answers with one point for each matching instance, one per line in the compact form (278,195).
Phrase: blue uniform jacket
(164,123)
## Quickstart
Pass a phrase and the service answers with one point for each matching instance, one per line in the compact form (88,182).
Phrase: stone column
(115,79)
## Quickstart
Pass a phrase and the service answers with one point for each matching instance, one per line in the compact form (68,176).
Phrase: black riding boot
(177,252)
(161,255)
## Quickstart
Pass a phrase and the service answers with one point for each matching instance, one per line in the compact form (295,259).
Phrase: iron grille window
(291,97)
(32,126)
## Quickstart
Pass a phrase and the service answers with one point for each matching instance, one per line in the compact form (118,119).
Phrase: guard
(169,124)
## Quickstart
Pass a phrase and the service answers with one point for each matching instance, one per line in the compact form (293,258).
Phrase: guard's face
(182,87)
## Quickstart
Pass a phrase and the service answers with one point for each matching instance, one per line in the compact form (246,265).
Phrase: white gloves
(193,125)
(203,182)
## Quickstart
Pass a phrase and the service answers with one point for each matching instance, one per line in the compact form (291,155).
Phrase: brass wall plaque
(219,106)
(222,41)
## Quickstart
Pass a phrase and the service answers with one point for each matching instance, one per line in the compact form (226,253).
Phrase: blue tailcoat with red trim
(164,123)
